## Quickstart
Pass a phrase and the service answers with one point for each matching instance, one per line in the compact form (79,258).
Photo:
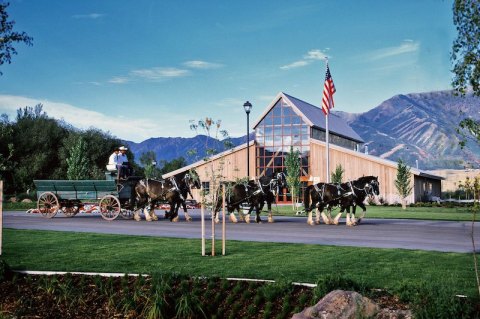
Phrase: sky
(142,69)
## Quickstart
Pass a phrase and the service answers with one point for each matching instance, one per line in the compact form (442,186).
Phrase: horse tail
(306,199)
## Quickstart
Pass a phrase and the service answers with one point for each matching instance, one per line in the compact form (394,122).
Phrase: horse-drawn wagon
(110,197)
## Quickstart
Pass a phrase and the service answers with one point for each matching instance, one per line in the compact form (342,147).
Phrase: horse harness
(341,192)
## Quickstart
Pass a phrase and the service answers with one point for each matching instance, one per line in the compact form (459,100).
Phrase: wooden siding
(355,164)
(234,166)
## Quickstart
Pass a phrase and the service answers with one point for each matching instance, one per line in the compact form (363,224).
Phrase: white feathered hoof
(337,218)
(188,218)
(247,218)
(270,218)
(153,215)
(175,220)
(137,217)
(326,220)
(233,219)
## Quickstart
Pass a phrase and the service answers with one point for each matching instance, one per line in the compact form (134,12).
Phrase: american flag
(328,91)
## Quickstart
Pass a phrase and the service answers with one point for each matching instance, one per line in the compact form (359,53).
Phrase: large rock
(340,304)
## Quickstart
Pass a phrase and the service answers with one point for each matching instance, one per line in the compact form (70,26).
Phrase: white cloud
(407,46)
(126,127)
(295,65)
(159,73)
(197,64)
(315,55)
(118,80)
(308,58)
(89,16)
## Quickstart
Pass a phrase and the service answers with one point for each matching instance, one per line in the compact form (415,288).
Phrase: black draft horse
(345,195)
(184,183)
(324,195)
(361,188)
(150,192)
(254,194)
(237,194)
(270,187)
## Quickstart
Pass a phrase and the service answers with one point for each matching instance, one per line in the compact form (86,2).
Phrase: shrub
(334,282)
(5,271)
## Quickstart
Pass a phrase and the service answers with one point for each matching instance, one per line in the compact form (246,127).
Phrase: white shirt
(113,159)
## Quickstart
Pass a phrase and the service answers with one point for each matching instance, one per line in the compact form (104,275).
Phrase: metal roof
(315,114)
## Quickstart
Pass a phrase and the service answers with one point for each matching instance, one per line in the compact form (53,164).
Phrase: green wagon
(110,198)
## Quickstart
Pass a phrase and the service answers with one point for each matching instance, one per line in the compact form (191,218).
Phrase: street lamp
(248,106)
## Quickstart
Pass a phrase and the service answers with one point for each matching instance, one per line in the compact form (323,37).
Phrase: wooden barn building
(289,122)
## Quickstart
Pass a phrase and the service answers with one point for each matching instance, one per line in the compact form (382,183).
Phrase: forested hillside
(35,146)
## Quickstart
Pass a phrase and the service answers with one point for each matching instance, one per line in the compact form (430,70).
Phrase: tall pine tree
(403,182)
(77,163)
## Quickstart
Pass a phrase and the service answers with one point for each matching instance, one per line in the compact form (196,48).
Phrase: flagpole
(327,140)
(328,148)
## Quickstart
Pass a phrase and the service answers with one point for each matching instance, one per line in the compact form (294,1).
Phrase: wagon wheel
(109,207)
(70,211)
(47,204)
(126,213)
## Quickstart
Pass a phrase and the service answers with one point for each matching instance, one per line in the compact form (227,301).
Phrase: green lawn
(427,213)
(383,268)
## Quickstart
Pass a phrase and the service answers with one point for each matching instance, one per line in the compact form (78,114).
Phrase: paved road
(379,233)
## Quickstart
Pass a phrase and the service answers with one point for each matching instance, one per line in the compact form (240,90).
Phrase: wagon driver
(119,161)
(123,165)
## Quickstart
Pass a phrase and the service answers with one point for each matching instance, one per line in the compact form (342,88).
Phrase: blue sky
(141,69)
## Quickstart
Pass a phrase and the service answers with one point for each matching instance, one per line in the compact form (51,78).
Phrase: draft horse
(362,188)
(150,192)
(237,194)
(324,196)
(270,187)
(345,195)
(254,193)
(184,183)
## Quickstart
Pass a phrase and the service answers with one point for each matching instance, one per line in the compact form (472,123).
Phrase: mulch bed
(79,296)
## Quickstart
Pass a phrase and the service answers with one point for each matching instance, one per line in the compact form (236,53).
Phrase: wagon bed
(69,197)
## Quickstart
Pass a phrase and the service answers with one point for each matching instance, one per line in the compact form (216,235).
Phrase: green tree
(292,165)
(78,163)
(6,146)
(8,36)
(465,54)
(149,161)
(403,182)
(37,140)
(337,176)
(169,166)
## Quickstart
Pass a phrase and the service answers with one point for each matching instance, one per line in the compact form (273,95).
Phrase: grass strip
(90,252)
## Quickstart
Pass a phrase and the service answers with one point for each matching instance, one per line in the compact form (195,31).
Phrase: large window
(334,139)
(279,130)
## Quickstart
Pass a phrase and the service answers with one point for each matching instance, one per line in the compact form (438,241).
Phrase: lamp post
(248,106)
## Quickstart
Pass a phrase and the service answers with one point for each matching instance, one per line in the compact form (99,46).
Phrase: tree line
(36,146)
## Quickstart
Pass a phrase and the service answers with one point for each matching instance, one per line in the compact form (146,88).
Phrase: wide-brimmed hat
(122,148)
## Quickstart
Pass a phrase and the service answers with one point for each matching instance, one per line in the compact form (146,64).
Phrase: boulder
(340,304)
(26,200)
(13,199)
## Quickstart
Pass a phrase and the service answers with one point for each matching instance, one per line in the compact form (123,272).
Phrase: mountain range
(420,128)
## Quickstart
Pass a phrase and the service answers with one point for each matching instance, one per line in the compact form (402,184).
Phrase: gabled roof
(313,116)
